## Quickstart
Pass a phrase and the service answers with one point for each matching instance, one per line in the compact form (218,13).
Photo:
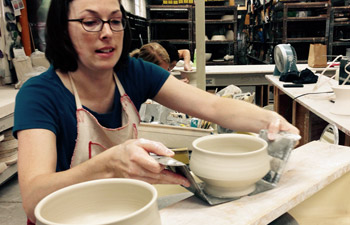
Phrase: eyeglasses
(94,24)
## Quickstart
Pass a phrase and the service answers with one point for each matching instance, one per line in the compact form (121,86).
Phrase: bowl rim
(220,136)
(77,186)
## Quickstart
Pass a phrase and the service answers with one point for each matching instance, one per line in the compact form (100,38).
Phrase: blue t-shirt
(44,102)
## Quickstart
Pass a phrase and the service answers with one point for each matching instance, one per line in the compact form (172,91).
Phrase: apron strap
(75,92)
(120,86)
(76,95)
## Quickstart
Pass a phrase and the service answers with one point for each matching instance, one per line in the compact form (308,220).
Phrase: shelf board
(341,43)
(301,5)
(305,39)
(339,24)
(220,21)
(340,8)
(262,43)
(220,42)
(175,8)
(173,41)
(230,62)
(8,173)
(220,8)
(300,19)
(6,122)
(173,21)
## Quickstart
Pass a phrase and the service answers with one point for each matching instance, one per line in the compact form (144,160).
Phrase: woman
(155,53)
(78,120)
(176,54)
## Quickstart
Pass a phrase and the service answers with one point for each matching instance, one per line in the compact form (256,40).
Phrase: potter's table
(248,75)
(241,75)
(310,112)
(310,168)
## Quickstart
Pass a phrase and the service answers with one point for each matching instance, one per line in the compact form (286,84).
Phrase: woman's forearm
(38,187)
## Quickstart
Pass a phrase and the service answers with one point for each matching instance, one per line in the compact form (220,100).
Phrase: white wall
(137,7)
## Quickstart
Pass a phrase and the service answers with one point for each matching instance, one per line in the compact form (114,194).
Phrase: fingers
(274,128)
(138,153)
(280,124)
(142,159)
(135,162)
(155,147)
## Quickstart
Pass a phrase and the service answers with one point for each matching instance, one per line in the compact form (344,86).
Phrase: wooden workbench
(248,75)
(311,112)
(245,75)
(310,168)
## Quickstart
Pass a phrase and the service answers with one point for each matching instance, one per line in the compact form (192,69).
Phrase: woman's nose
(106,30)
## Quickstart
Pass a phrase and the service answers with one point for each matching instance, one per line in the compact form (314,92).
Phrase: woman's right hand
(132,160)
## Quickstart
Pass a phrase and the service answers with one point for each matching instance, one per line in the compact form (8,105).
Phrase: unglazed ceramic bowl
(342,100)
(229,164)
(227,17)
(207,56)
(218,38)
(106,201)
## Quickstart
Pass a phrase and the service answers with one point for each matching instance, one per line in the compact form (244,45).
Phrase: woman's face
(101,50)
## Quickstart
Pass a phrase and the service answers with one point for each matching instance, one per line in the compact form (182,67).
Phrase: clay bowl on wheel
(106,201)
(229,164)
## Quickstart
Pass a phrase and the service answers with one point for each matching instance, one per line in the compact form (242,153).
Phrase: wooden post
(25,34)
(200,44)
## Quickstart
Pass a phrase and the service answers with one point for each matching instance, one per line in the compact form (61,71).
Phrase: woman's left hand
(278,124)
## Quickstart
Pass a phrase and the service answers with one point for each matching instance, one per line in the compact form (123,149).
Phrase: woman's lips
(105,50)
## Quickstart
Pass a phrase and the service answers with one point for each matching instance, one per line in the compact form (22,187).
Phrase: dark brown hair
(59,48)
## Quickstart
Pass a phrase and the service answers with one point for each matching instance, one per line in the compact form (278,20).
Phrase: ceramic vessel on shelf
(227,17)
(229,164)
(229,35)
(207,56)
(218,37)
(342,100)
(118,201)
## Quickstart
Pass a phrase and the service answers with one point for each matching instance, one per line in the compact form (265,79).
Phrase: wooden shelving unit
(179,23)
(7,100)
(8,173)
(173,23)
(339,38)
(302,23)
(139,30)
(290,21)
(217,24)
(261,40)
